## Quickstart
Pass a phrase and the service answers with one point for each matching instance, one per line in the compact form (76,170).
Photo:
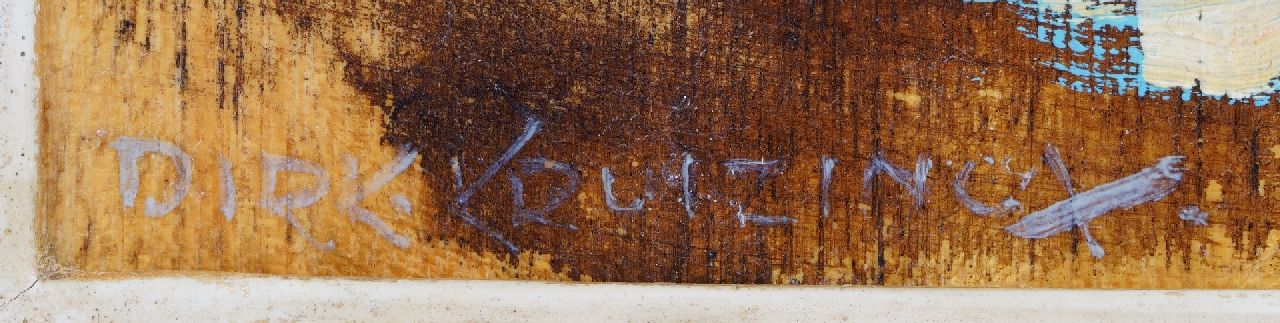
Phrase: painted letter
(913,183)
(1150,184)
(606,180)
(354,192)
(530,166)
(765,170)
(461,205)
(1059,168)
(129,150)
(285,204)
(687,181)
(1009,205)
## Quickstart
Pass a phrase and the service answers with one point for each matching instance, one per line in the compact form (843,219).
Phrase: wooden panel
(791,143)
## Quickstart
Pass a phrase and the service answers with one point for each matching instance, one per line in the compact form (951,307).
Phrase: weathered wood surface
(718,116)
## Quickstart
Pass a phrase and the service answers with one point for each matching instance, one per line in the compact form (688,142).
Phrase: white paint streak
(759,219)
(1150,184)
(1059,168)
(828,166)
(686,171)
(228,189)
(1194,215)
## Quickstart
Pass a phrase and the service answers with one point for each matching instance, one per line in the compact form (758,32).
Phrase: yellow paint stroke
(991,93)
(1213,192)
(910,98)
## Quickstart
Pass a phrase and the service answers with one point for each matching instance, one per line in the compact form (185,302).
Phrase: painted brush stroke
(1150,184)
(1192,214)
(1150,47)
(1009,205)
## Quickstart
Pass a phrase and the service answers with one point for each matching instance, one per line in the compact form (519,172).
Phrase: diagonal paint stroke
(1149,184)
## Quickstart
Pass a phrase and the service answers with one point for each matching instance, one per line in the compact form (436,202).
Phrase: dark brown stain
(788,81)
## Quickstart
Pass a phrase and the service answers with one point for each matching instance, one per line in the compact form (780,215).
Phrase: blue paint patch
(1261,100)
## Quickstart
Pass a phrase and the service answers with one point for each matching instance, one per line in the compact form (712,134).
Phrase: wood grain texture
(685,100)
